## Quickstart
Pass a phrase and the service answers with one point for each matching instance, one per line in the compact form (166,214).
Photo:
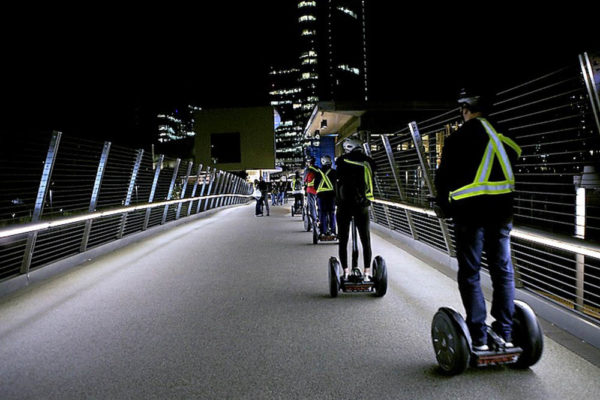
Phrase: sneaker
(481,347)
(509,345)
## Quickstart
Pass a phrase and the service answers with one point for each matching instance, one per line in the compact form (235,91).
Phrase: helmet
(325,160)
(475,100)
(468,98)
(351,144)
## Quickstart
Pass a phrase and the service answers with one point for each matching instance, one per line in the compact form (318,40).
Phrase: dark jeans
(495,239)
(326,214)
(361,219)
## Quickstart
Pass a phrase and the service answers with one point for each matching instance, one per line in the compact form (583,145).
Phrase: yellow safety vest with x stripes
(368,177)
(325,185)
(495,149)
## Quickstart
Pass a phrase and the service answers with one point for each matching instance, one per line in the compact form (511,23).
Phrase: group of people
(475,187)
(261,194)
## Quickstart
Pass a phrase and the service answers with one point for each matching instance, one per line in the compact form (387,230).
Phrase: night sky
(102,72)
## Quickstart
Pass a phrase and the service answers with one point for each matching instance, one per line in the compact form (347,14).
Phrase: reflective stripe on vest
(368,177)
(494,149)
(325,185)
(312,183)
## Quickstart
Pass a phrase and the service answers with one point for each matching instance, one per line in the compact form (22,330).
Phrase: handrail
(40,226)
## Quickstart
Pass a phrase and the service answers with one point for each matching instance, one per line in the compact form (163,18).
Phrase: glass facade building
(331,66)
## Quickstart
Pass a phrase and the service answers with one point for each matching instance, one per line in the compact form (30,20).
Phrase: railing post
(153,190)
(236,186)
(95,194)
(394,168)
(386,209)
(228,188)
(221,190)
(217,187)
(588,77)
(207,178)
(418,141)
(170,193)
(185,183)
(189,211)
(40,199)
(132,180)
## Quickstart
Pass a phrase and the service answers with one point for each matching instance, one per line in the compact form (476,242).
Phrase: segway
(454,349)
(355,283)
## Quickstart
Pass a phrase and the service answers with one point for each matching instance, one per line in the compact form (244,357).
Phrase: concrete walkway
(237,307)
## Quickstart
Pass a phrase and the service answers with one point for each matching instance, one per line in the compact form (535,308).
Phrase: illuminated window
(348,12)
(307,4)
(309,75)
(308,32)
(309,61)
(307,18)
(348,68)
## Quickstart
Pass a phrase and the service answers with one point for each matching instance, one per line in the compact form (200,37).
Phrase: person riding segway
(475,187)
(354,192)
(326,201)
(297,192)
(311,194)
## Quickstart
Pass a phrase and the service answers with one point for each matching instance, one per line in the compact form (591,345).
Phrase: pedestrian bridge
(231,306)
(124,275)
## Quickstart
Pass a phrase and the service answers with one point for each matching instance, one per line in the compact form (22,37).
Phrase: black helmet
(473,99)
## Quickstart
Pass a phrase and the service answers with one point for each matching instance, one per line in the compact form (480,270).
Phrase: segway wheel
(307,223)
(303,213)
(380,275)
(292,211)
(334,276)
(527,334)
(315,236)
(449,343)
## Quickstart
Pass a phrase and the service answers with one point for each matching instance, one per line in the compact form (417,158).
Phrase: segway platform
(454,349)
(355,283)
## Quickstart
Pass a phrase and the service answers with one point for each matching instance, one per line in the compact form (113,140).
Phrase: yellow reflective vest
(494,150)
(325,185)
(368,177)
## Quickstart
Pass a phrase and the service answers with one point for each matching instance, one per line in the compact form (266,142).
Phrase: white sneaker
(509,345)
(483,347)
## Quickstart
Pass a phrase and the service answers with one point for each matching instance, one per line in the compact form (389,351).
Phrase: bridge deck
(237,307)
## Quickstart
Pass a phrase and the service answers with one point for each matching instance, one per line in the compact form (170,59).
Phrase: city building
(177,124)
(285,99)
(235,139)
(331,66)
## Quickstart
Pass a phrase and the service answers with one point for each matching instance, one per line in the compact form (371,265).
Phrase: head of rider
(352,144)
(473,103)
(326,162)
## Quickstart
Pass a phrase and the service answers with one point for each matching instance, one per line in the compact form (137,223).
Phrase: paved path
(237,307)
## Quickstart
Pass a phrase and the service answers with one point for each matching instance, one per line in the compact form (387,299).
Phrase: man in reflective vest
(354,192)
(326,197)
(475,184)
(311,191)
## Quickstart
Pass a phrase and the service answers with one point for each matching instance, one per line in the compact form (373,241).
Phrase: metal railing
(61,199)
(554,119)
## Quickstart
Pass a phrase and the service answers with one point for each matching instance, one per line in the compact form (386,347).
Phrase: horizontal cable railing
(62,196)
(554,119)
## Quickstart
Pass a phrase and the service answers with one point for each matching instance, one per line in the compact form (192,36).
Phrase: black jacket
(332,177)
(461,156)
(351,187)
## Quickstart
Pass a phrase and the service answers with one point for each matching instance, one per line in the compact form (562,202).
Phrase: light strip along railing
(557,199)
(88,196)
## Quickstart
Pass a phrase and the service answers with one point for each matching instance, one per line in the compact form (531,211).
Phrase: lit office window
(309,61)
(348,12)
(348,68)
(307,4)
(308,32)
(307,18)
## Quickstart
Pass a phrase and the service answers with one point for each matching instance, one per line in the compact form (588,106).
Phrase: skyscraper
(333,63)
(331,66)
